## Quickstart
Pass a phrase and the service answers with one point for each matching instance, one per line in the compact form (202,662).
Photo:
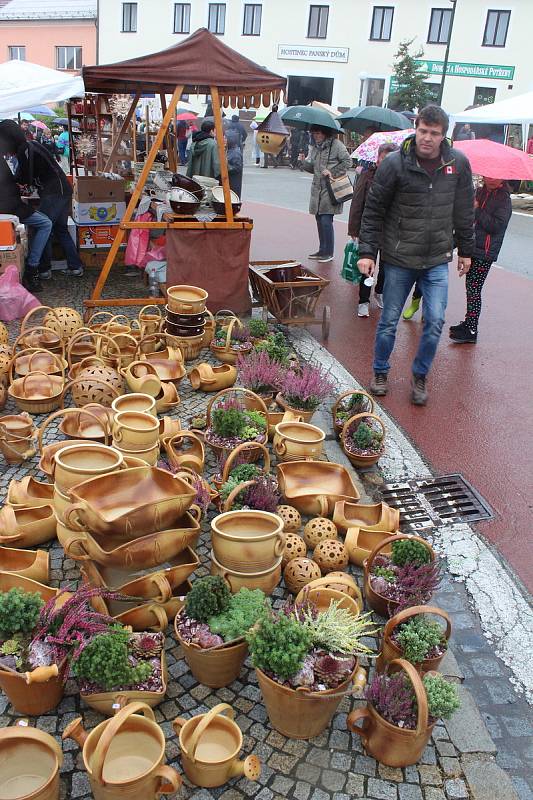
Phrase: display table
(215,260)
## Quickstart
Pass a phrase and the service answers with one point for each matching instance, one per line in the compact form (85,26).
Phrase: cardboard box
(96,213)
(91,236)
(8,235)
(89,188)
(15,256)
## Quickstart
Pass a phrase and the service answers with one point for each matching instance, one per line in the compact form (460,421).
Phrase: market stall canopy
(517,110)
(199,62)
(24,85)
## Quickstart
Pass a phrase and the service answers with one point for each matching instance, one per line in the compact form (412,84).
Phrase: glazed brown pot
(35,692)
(188,320)
(247,541)
(387,743)
(390,650)
(377,602)
(30,761)
(210,745)
(214,668)
(299,713)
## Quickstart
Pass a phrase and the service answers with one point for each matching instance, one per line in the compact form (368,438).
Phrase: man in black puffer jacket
(421,199)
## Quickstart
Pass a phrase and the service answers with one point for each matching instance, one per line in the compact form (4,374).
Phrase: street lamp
(445,65)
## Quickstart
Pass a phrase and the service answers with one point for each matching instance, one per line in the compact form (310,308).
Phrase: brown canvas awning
(199,62)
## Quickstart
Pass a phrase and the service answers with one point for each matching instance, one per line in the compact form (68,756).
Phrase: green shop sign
(460,70)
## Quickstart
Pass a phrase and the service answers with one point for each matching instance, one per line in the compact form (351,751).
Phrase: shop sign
(459,69)
(304,52)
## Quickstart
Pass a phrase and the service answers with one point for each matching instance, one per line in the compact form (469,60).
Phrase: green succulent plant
(19,612)
(258,328)
(208,597)
(385,572)
(409,551)
(244,610)
(442,696)
(418,636)
(279,645)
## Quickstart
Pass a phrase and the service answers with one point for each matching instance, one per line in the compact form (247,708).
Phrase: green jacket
(331,155)
(203,159)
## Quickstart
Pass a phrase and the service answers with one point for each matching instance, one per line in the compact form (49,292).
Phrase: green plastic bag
(349,266)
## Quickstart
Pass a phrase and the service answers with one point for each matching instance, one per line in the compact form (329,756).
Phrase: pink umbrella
(187,115)
(493,160)
(36,123)
(368,150)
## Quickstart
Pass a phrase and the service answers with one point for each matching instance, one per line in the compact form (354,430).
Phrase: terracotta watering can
(29,763)
(210,745)
(124,756)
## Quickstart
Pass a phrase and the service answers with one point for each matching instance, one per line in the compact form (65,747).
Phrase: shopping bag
(349,270)
(339,189)
(15,300)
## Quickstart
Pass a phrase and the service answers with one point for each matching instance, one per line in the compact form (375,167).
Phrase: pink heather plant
(260,373)
(307,388)
(393,698)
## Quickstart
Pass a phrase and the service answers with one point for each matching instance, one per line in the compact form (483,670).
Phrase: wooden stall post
(124,127)
(133,139)
(171,147)
(219,130)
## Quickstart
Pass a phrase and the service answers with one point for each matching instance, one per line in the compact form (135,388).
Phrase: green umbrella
(383,119)
(304,116)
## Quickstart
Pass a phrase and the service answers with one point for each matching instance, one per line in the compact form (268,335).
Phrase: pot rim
(232,537)
(85,470)
(302,693)
(247,575)
(136,430)
(279,430)
(128,397)
(215,764)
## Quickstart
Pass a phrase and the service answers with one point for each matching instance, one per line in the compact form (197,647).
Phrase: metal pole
(445,65)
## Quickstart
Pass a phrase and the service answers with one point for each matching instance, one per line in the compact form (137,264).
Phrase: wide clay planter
(29,493)
(30,761)
(377,602)
(387,743)
(247,541)
(77,463)
(214,668)
(305,415)
(210,745)
(105,702)
(27,527)
(298,713)
(370,516)
(186,299)
(362,459)
(212,379)
(135,430)
(390,650)
(229,355)
(35,692)
(313,487)
(33,564)
(125,756)
(360,542)
(136,401)
(266,580)
(294,441)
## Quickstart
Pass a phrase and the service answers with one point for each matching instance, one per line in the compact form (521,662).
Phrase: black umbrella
(382,119)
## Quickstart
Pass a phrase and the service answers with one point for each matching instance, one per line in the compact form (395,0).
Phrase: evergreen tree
(411,91)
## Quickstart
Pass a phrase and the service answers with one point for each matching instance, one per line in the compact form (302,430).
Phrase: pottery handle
(359,679)
(178,724)
(407,613)
(357,714)
(280,448)
(161,617)
(206,719)
(323,504)
(170,780)
(109,733)
(279,546)
(419,690)
(69,548)
(72,520)
(195,511)
(163,586)
(41,674)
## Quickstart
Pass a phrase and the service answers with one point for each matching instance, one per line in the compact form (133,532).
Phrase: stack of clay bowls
(136,435)
(247,549)
(185,318)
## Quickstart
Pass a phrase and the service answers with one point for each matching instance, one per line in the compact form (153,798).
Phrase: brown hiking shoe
(378,384)
(419,393)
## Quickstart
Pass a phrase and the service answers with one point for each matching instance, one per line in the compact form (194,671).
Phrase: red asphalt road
(479,419)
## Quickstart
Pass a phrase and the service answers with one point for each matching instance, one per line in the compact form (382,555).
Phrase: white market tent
(517,110)
(24,85)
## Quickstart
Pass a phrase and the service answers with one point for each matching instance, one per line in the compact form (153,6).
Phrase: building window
(252,19)
(483,96)
(217,18)
(68,57)
(381,29)
(439,26)
(182,18)
(129,17)
(496,28)
(17,52)
(318,22)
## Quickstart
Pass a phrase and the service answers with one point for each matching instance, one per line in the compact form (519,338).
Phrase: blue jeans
(57,207)
(41,227)
(399,281)
(182,148)
(324,223)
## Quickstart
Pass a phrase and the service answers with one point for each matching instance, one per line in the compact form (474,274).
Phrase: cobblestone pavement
(459,761)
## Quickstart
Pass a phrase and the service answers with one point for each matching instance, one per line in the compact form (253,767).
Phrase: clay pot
(212,379)
(247,451)
(130,502)
(26,563)
(135,430)
(300,714)
(297,440)
(299,572)
(36,360)
(167,399)
(77,463)
(92,422)
(168,428)
(305,415)
(377,602)
(186,299)
(313,487)
(27,527)
(217,667)
(210,745)
(142,377)
(322,597)
(387,743)
(367,400)
(168,363)
(390,650)
(142,553)
(150,320)
(370,516)
(339,582)
(247,541)
(37,392)
(124,756)
(16,437)
(30,761)
(150,455)
(29,493)
(361,459)
(16,425)
(360,542)
(185,320)
(186,450)
(251,401)
(35,692)
(137,402)
(106,702)
(267,580)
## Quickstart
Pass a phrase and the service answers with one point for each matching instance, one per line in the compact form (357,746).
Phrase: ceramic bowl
(247,541)
(135,402)
(77,463)
(184,299)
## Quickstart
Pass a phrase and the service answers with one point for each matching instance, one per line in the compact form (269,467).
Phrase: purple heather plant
(306,388)
(241,335)
(393,698)
(263,495)
(416,583)
(260,373)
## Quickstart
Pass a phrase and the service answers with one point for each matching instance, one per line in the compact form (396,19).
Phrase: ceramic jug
(30,760)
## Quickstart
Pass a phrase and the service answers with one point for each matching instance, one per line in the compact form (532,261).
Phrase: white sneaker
(363,310)
(379,299)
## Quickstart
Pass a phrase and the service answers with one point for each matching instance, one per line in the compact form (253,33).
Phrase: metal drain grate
(430,502)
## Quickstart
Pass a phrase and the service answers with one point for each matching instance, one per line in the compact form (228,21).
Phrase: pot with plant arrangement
(407,577)
(304,390)
(306,661)
(249,488)
(347,404)
(231,342)
(363,439)
(261,374)
(259,330)
(232,421)
(402,709)
(413,635)
(277,347)
(238,457)
(211,629)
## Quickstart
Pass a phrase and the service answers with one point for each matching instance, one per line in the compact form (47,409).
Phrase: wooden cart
(289,292)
